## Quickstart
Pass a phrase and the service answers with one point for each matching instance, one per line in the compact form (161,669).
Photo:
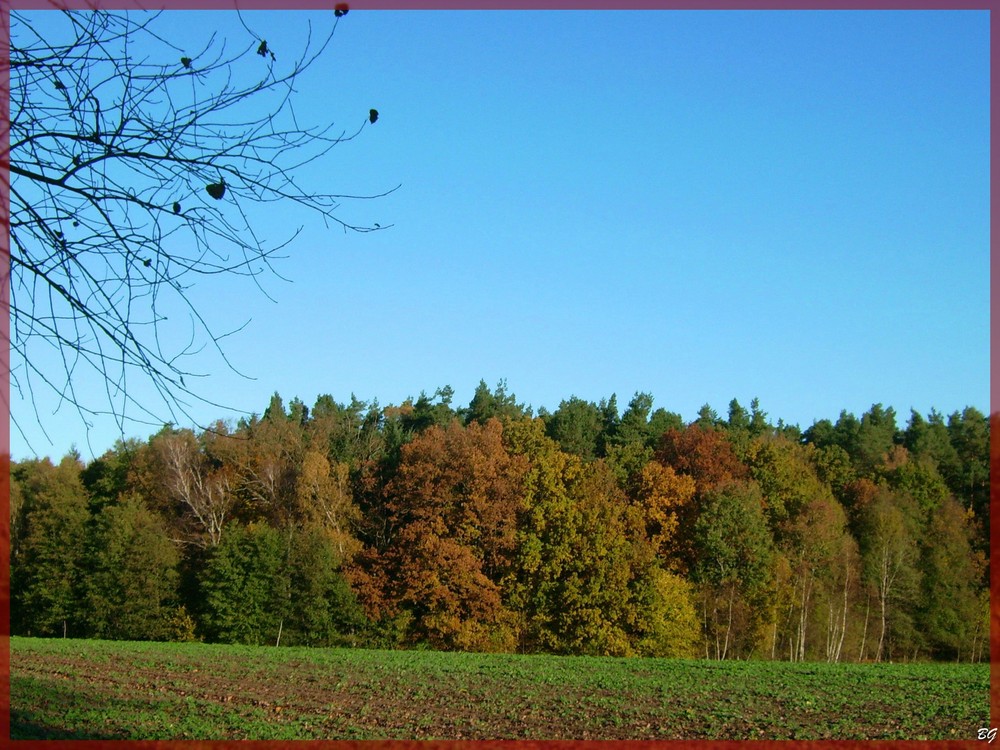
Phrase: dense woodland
(490,528)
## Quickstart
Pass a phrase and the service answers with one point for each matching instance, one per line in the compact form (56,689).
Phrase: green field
(119,690)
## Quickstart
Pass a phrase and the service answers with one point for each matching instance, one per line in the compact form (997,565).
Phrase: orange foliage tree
(452,504)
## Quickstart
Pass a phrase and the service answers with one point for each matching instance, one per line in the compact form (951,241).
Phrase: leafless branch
(135,169)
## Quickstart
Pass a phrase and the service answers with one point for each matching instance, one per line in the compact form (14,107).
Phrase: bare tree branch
(135,168)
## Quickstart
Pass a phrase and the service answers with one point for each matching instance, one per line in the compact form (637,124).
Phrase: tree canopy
(490,529)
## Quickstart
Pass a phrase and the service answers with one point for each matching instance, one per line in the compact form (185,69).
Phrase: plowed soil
(102,690)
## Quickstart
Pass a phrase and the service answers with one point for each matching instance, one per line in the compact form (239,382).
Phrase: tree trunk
(729,622)
(864,633)
(788,625)
(843,624)
(705,611)
(804,617)
(832,632)
(882,597)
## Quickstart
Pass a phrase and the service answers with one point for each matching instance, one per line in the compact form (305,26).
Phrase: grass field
(113,690)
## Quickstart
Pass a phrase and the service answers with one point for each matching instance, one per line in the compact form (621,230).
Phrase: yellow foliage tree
(660,492)
(325,497)
(674,629)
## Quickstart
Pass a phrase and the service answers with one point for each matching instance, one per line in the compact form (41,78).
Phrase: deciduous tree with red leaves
(453,504)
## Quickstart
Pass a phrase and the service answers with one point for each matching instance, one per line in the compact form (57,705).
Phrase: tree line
(585,530)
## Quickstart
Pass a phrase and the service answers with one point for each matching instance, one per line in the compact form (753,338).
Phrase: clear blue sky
(701,205)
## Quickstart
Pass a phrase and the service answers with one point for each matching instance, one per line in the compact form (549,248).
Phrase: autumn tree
(672,628)
(843,581)
(326,500)
(890,555)
(264,459)
(133,176)
(786,473)
(452,505)
(202,492)
(816,545)
(579,555)
(400,526)
(705,455)
(545,536)
(661,494)
(594,594)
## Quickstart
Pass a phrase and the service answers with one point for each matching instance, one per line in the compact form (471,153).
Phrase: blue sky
(701,205)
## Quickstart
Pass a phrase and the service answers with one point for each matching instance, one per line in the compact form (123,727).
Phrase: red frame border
(994,313)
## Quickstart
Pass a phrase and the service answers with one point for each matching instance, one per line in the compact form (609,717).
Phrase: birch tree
(890,554)
(204,491)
